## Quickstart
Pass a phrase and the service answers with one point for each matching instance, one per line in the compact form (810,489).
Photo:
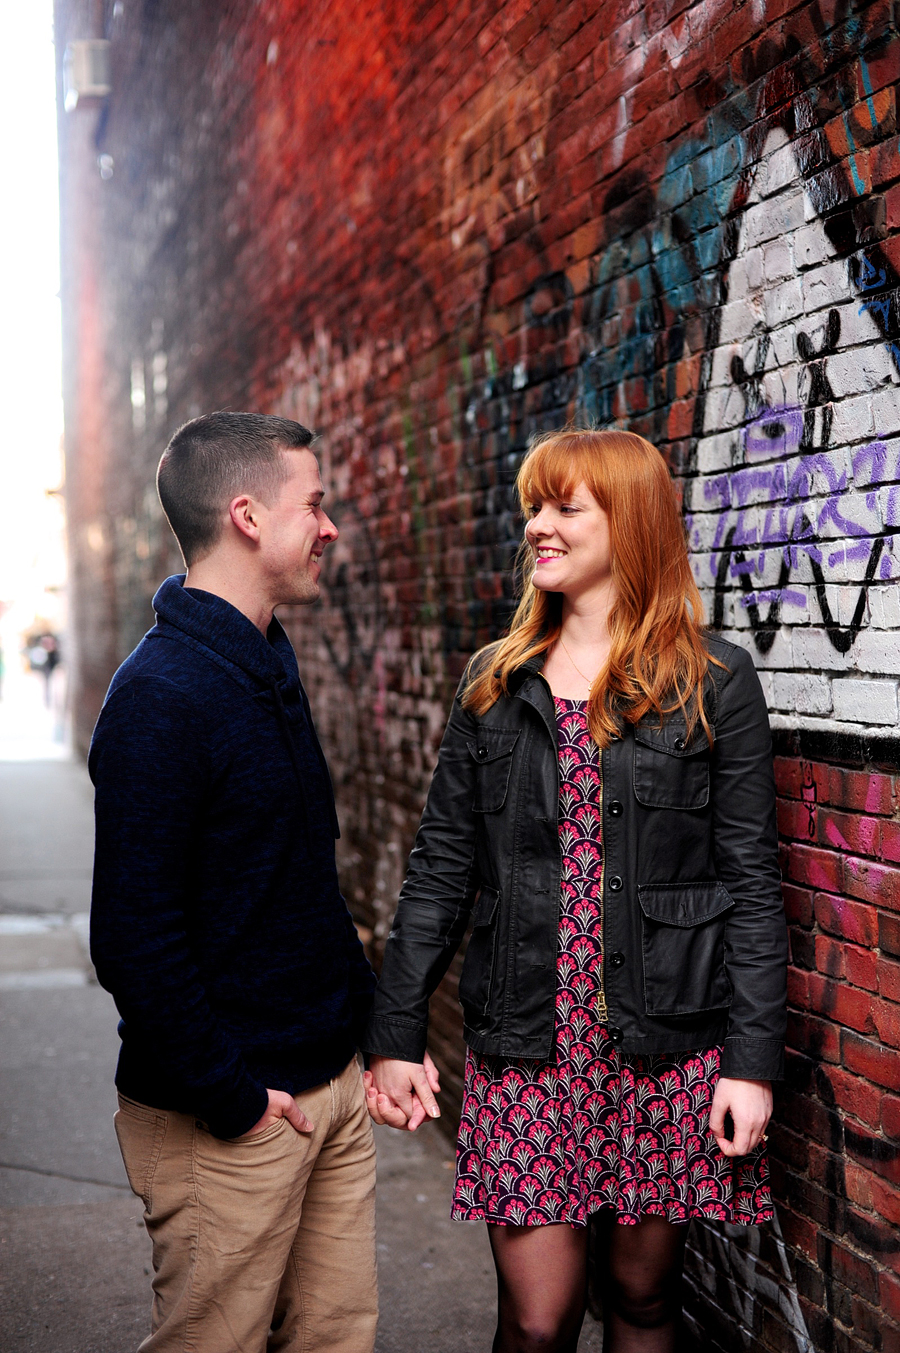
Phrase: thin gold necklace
(575,664)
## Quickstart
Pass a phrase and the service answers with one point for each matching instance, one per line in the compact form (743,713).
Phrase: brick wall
(433,230)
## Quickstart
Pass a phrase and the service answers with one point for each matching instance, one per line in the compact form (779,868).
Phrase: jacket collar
(525,683)
(213,624)
(533,667)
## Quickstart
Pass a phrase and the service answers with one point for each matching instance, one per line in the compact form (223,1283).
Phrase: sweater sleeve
(152,774)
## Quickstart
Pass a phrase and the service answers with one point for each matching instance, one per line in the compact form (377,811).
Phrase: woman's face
(570,541)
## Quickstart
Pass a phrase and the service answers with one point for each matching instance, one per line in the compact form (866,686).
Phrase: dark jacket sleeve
(151,771)
(434,904)
(746,847)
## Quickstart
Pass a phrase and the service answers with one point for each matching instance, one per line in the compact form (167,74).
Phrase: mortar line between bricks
(58,1174)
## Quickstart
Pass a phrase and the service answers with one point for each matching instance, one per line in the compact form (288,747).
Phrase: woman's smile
(581,522)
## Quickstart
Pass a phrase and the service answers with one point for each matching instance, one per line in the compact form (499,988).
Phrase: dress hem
(622,1218)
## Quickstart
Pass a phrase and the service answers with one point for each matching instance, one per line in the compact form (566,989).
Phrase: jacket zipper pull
(602,1012)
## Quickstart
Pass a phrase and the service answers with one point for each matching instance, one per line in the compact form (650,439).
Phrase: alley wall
(430,231)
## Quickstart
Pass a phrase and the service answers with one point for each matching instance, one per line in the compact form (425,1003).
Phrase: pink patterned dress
(594,1128)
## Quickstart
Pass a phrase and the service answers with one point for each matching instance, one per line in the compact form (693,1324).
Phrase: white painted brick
(783,352)
(813,651)
(840,567)
(854,371)
(745,274)
(784,215)
(779,170)
(876,651)
(825,286)
(704,528)
(886,402)
(801,575)
(748,522)
(755,226)
(739,318)
(884,607)
(853,419)
(857,328)
(780,656)
(704,566)
(784,302)
(777,261)
(835,520)
(802,693)
(850,595)
(810,245)
(889,505)
(861,701)
(821,475)
(714,451)
(842,601)
(797,604)
(872,469)
(711,506)
(793,607)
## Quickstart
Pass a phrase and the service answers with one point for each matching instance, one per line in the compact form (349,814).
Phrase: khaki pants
(262,1244)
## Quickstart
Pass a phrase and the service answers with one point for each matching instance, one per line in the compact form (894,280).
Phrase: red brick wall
(431,231)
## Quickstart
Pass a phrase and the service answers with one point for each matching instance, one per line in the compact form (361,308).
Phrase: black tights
(638,1275)
(542,1285)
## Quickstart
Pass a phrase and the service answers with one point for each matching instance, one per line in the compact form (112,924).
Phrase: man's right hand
(281,1105)
(402,1094)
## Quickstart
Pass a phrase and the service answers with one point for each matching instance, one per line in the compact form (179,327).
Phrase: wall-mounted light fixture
(86,71)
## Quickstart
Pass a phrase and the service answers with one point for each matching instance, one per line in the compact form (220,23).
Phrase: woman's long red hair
(658,658)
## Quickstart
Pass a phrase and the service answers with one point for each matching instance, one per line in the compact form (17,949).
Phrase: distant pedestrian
(604,809)
(218,925)
(44,657)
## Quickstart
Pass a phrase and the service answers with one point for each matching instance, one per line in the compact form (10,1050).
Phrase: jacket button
(616,809)
(482,753)
(615,883)
(616,959)
(615,1033)
(679,744)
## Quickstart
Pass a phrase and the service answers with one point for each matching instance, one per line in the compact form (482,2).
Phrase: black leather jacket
(695,942)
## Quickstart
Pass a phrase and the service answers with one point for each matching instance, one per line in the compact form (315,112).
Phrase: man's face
(294,531)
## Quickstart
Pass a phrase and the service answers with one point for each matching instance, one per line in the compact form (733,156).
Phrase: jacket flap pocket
(683,904)
(672,738)
(485,907)
(492,743)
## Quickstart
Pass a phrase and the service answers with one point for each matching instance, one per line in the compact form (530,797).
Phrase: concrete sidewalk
(74,1258)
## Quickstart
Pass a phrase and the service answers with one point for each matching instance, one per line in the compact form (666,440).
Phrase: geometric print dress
(593,1128)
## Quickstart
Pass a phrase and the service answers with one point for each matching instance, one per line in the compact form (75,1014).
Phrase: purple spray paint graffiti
(793,496)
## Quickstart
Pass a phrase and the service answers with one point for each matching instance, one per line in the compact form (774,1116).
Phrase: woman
(604,808)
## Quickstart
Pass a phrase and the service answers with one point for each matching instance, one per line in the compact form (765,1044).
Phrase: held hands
(402,1094)
(750,1106)
(281,1105)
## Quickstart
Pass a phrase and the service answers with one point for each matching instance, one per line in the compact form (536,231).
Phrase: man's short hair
(211,460)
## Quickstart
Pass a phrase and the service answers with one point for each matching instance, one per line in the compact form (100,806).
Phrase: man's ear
(245,515)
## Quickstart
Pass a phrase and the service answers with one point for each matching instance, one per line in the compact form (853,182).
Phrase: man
(218,926)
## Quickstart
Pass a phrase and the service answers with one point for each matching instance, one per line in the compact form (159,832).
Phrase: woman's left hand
(750,1106)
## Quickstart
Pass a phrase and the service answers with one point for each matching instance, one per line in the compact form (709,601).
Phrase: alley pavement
(74,1257)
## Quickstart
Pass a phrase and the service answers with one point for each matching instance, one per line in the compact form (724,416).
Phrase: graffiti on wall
(794,499)
(764,233)
(736,1252)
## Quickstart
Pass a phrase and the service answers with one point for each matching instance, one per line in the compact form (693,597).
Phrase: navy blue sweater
(217,922)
